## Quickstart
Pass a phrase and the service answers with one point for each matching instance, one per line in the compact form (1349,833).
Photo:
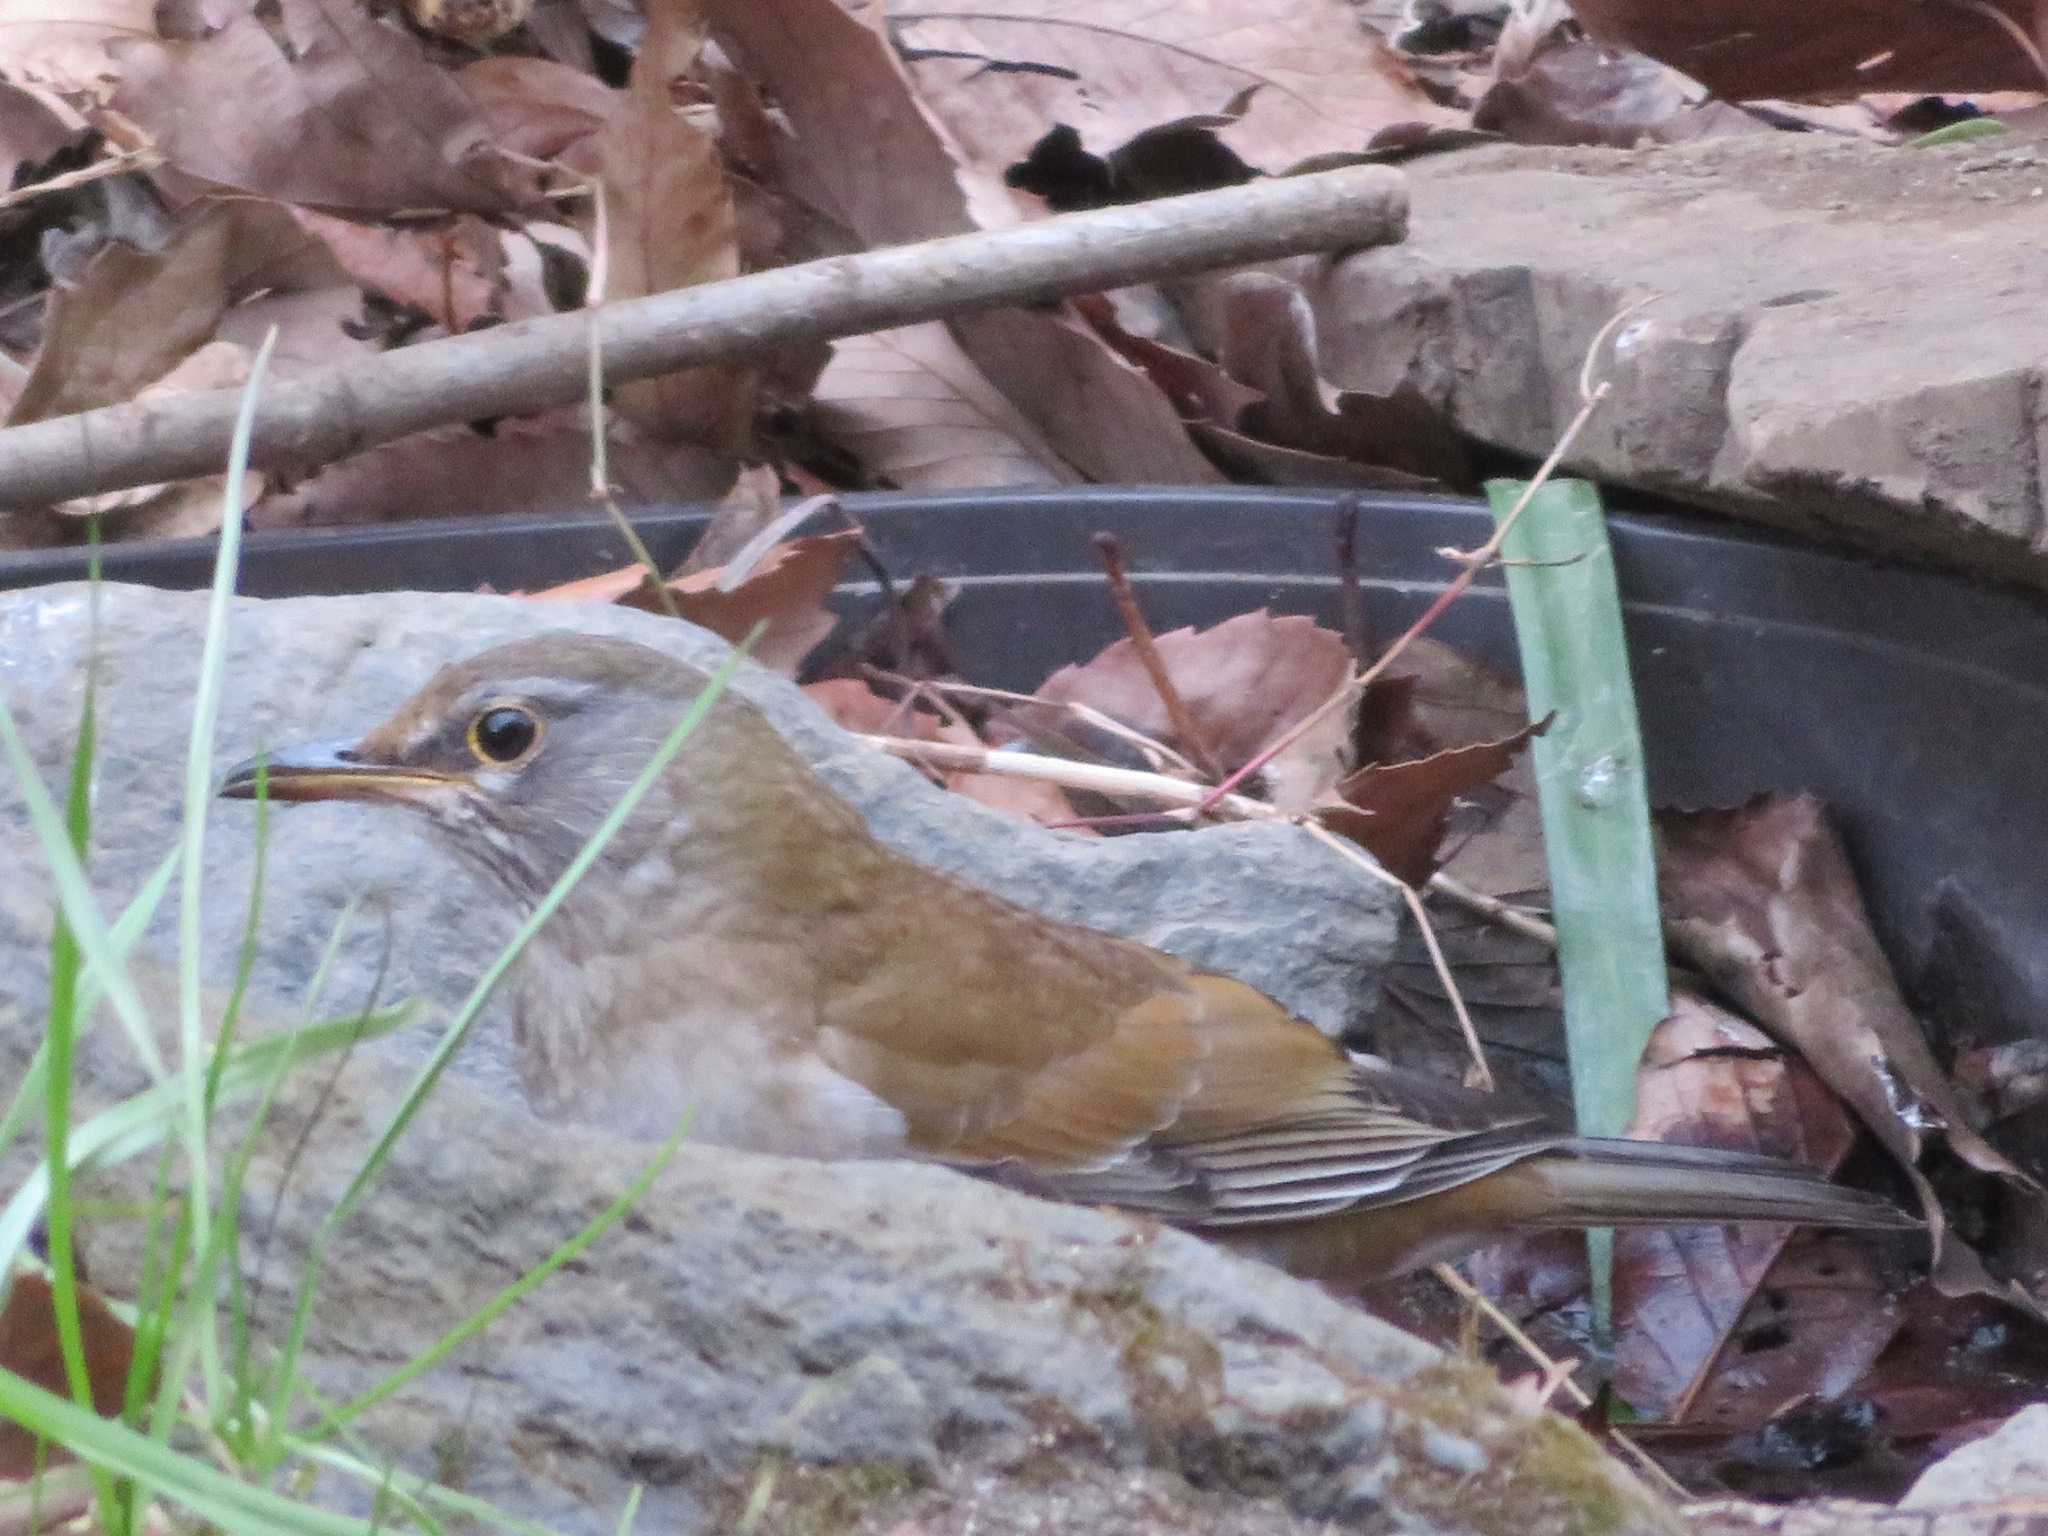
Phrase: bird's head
(516,755)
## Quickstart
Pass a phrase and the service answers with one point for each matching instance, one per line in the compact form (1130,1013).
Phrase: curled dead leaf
(1762,899)
(1118,68)
(917,413)
(1711,1079)
(786,588)
(1399,812)
(326,106)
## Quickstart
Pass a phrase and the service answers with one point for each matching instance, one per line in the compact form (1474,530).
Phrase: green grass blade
(252,919)
(450,1501)
(140,1123)
(60,1037)
(218,1498)
(1596,819)
(198,1072)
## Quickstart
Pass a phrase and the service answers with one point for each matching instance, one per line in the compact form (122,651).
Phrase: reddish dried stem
(1111,549)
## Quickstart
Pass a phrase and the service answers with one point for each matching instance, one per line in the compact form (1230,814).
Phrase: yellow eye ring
(504,735)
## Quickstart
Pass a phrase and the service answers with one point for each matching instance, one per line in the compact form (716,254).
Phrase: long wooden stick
(535,364)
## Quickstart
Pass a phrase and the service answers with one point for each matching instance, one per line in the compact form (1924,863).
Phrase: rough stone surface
(2010,1464)
(862,1344)
(1266,903)
(1847,337)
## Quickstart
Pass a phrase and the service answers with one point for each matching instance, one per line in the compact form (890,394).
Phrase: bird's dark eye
(503,734)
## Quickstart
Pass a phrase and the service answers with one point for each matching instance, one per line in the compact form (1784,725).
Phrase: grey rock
(975,1347)
(1453,1453)
(870,1414)
(1265,903)
(1840,343)
(2010,1464)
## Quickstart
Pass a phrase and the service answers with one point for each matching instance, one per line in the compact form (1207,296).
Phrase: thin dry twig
(1160,755)
(1464,1290)
(1111,550)
(1101,778)
(1493,909)
(1481,1075)
(330,412)
(114,165)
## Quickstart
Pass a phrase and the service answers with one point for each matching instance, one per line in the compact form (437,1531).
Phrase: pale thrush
(745,953)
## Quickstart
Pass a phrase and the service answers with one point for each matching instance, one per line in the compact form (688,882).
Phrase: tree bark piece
(540,363)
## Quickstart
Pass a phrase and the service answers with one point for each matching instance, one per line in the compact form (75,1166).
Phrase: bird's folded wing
(1285,1127)
(1026,1041)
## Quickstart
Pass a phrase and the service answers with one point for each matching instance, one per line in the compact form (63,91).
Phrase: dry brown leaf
(62,43)
(1200,389)
(1269,343)
(1436,698)
(1102,415)
(605,587)
(911,407)
(33,128)
(1710,1079)
(787,587)
(1245,681)
(1248,459)
(856,707)
(132,318)
(1576,91)
(865,150)
(1762,899)
(1399,812)
(841,84)
(355,120)
(1742,50)
(537,107)
(454,272)
(531,464)
(1447,699)
(753,502)
(29,1348)
(313,328)
(669,223)
(1112,69)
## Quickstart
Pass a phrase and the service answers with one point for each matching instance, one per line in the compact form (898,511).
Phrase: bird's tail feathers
(1598,1181)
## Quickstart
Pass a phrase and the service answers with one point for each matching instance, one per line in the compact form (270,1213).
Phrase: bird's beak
(332,771)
